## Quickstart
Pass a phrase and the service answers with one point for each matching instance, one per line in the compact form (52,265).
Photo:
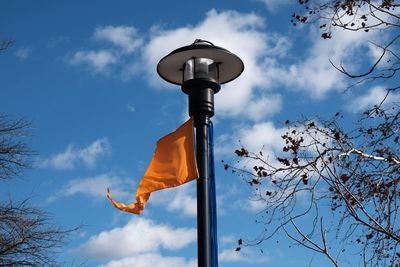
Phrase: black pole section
(200,68)
(203,195)
(201,107)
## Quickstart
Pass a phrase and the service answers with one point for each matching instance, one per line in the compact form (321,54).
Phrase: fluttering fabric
(173,164)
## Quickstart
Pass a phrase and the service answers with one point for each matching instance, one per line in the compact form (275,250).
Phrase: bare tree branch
(27,236)
(15,155)
(323,169)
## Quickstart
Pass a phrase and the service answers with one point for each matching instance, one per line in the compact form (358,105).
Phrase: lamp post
(200,69)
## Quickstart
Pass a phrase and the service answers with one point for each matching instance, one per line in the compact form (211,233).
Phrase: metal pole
(201,107)
(200,68)
(203,194)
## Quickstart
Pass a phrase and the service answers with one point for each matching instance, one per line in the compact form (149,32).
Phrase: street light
(200,69)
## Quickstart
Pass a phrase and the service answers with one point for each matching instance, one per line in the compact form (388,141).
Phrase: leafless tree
(5,43)
(27,235)
(382,16)
(333,191)
(14,153)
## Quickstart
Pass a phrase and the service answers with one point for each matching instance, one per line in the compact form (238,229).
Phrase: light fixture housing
(200,60)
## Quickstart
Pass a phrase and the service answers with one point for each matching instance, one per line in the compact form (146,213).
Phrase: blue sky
(84,73)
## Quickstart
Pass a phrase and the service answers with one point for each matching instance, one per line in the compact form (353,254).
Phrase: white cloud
(180,199)
(137,237)
(263,106)
(263,135)
(351,49)
(139,242)
(374,96)
(244,255)
(153,260)
(23,53)
(254,204)
(130,108)
(124,41)
(250,96)
(97,187)
(96,61)
(227,239)
(376,53)
(262,53)
(260,136)
(125,37)
(242,34)
(267,58)
(98,148)
(315,74)
(73,157)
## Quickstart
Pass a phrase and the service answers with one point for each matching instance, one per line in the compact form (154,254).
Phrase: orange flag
(173,164)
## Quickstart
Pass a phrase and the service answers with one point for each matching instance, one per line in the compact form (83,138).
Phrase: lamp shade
(172,67)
